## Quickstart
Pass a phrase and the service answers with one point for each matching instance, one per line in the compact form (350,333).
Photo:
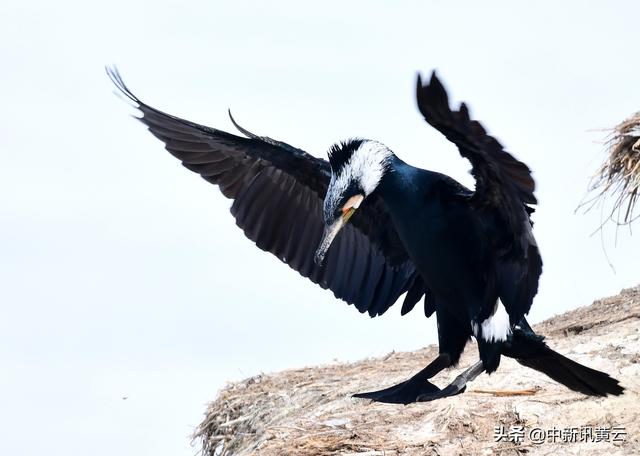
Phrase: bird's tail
(530,350)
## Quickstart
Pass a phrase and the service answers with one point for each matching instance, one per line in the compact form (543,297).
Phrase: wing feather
(278,192)
(504,187)
(502,182)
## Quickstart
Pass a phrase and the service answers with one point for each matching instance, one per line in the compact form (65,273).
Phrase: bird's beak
(331,231)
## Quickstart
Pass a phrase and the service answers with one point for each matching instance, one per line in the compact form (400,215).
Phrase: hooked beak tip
(318,258)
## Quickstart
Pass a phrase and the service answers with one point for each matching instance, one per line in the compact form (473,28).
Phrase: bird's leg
(409,390)
(457,386)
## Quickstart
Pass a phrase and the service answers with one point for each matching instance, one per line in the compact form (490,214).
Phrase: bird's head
(357,167)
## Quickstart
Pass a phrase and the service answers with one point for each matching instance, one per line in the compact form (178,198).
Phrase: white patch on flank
(367,165)
(496,328)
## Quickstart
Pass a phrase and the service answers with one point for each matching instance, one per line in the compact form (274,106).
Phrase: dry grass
(310,411)
(618,178)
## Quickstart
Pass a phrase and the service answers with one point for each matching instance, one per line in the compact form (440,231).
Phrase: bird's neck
(399,179)
(403,184)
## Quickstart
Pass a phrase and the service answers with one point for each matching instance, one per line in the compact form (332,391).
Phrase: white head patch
(366,166)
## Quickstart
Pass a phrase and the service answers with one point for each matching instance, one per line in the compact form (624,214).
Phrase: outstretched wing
(502,182)
(278,192)
(504,185)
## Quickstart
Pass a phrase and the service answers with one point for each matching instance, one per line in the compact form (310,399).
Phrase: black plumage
(504,190)
(467,254)
(278,192)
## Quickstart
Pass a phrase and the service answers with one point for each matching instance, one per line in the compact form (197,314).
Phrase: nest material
(310,412)
(619,176)
(291,413)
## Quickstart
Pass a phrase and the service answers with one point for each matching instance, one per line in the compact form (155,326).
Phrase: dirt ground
(310,412)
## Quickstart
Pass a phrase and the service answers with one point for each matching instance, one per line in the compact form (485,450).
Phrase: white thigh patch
(496,328)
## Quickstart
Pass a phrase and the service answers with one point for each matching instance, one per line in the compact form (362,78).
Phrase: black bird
(471,254)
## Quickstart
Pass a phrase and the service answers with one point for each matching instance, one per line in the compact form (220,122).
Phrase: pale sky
(124,275)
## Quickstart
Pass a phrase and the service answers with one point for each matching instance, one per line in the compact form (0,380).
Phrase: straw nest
(618,179)
(310,412)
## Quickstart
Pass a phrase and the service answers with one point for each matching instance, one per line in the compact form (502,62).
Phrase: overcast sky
(123,274)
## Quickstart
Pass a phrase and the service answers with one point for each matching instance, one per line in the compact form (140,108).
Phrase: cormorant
(471,254)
